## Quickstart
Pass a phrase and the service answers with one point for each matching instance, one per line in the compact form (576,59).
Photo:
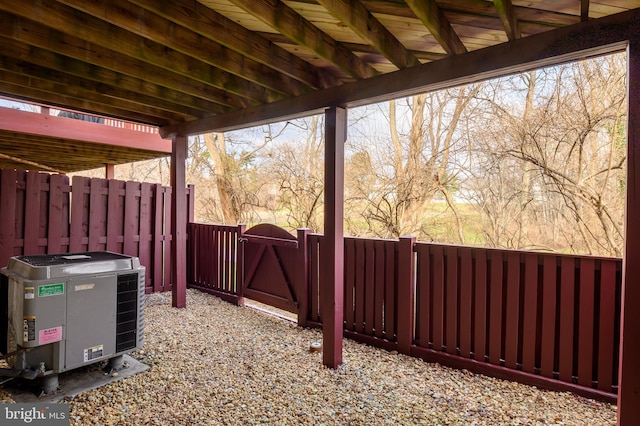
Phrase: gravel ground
(216,363)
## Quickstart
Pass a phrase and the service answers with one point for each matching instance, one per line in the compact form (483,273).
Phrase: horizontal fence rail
(546,319)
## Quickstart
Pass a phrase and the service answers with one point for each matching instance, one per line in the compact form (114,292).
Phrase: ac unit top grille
(70,258)
(52,266)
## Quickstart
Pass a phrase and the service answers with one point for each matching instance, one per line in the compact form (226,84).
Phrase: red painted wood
(606,324)
(131,217)
(79,220)
(530,313)
(167,284)
(466,300)
(32,214)
(144,248)
(586,322)
(629,371)
(423,295)
(114,220)
(349,283)
(369,286)
(567,294)
(333,258)
(314,271)
(7,214)
(496,308)
(302,276)
(406,278)
(480,318)
(97,216)
(547,350)
(191,203)
(64,128)
(359,286)
(57,199)
(512,310)
(437,306)
(390,285)
(451,300)
(109,171)
(240,263)
(379,276)
(157,239)
(178,255)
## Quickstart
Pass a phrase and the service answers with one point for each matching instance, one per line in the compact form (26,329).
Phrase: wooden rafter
(299,30)
(433,18)
(21,30)
(368,27)
(209,23)
(106,35)
(149,25)
(508,18)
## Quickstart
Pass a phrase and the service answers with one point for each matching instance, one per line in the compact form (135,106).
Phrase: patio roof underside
(211,65)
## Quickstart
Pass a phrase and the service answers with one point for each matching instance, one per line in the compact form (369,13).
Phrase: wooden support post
(629,371)
(332,292)
(240,265)
(179,223)
(109,171)
(302,279)
(406,292)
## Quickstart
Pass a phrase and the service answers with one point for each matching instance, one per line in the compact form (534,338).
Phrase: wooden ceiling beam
(299,30)
(576,42)
(353,14)
(83,70)
(508,18)
(20,87)
(101,33)
(30,33)
(72,87)
(212,25)
(152,26)
(433,18)
(107,90)
(524,14)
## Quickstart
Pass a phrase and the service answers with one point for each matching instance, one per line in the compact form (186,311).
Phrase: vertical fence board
(158,240)
(606,324)
(78,208)
(548,349)
(7,214)
(495,308)
(349,283)
(390,300)
(423,299)
(512,311)
(114,219)
(437,320)
(451,299)
(144,248)
(466,300)
(379,284)
(369,286)
(131,217)
(167,244)
(314,266)
(57,199)
(359,286)
(32,214)
(480,317)
(530,313)
(567,294)
(586,322)
(96,215)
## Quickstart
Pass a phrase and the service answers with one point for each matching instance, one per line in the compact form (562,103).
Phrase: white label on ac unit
(93,353)
(29,293)
(81,287)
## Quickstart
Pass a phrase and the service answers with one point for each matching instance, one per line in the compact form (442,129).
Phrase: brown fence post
(191,203)
(406,292)
(240,264)
(302,273)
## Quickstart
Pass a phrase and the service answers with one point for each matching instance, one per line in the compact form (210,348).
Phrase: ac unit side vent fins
(126,315)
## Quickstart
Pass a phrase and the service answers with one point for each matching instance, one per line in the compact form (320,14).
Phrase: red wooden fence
(214,259)
(42,213)
(545,319)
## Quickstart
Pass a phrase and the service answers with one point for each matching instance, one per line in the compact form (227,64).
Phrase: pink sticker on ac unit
(50,335)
